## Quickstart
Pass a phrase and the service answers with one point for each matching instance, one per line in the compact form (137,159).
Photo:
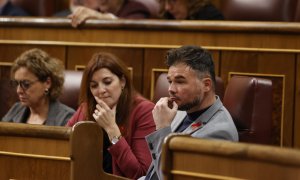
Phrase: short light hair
(42,66)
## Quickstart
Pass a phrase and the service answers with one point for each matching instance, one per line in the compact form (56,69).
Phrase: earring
(46,92)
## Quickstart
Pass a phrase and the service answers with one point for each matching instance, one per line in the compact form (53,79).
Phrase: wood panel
(271,66)
(154,58)
(155,32)
(297,106)
(268,48)
(34,152)
(51,152)
(5,70)
(132,57)
(155,37)
(50,147)
(184,157)
(216,3)
(33,168)
(9,52)
(143,61)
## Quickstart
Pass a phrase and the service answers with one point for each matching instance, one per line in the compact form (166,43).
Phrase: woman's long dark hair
(106,60)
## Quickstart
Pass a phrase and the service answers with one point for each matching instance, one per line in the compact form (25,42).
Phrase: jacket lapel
(180,115)
(204,118)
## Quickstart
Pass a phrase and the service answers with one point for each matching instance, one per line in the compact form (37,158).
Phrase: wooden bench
(185,157)
(269,50)
(48,152)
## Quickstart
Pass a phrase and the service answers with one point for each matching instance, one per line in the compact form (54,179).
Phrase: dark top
(208,12)
(10,10)
(107,159)
(63,13)
(58,114)
(189,119)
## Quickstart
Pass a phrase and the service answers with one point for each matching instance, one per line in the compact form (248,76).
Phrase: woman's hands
(106,118)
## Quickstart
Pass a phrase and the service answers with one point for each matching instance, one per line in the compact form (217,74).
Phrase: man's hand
(81,14)
(163,115)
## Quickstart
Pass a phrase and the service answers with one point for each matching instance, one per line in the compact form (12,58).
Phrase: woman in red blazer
(107,97)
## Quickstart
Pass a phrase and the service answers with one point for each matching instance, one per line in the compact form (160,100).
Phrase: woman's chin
(24,103)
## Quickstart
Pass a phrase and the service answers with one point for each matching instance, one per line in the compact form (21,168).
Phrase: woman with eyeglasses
(38,80)
(189,10)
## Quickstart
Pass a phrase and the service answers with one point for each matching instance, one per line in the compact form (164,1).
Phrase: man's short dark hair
(195,57)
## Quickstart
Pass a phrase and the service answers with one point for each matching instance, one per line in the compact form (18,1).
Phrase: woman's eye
(107,82)
(93,86)
(26,85)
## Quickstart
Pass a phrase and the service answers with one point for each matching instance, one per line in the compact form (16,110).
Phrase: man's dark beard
(188,106)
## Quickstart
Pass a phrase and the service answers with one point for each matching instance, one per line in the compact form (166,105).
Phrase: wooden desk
(264,49)
(188,158)
(48,152)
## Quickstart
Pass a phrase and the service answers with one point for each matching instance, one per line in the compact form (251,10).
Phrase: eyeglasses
(24,84)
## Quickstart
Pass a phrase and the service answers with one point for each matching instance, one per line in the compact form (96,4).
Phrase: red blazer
(130,156)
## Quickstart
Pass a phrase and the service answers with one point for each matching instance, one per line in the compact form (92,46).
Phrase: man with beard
(193,107)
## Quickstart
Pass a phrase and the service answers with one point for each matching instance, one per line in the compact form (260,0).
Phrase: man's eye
(179,82)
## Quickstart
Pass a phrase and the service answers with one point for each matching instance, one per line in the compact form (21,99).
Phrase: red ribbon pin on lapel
(196,125)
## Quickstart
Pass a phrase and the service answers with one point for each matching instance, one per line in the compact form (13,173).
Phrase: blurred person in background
(189,10)
(8,9)
(82,10)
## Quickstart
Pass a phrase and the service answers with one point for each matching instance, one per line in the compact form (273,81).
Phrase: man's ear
(207,82)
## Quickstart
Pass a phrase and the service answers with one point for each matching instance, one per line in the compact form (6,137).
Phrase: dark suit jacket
(10,10)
